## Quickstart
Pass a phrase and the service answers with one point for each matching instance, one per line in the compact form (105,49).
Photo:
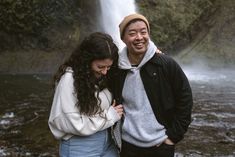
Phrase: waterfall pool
(25,102)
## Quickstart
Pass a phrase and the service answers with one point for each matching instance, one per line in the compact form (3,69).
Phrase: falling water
(112,12)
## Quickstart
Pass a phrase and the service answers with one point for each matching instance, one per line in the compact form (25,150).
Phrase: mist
(200,71)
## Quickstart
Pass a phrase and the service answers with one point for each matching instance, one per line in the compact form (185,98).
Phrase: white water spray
(210,76)
(112,12)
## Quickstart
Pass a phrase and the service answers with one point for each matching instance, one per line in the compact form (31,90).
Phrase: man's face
(136,38)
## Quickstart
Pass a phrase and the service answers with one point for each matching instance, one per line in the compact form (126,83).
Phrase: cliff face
(44,32)
(196,31)
(37,35)
(43,24)
(35,24)
(171,21)
(213,37)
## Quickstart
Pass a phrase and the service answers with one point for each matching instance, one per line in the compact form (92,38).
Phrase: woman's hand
(118,108)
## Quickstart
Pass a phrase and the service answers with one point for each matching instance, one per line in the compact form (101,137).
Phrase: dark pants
(130,150)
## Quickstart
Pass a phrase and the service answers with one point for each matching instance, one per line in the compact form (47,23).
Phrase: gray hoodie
(140,126)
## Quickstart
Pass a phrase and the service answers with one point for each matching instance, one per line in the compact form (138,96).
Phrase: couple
(146,92)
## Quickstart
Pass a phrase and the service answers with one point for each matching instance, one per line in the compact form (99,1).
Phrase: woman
(82,110)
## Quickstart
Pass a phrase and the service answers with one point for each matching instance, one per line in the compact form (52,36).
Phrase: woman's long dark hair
(96,46)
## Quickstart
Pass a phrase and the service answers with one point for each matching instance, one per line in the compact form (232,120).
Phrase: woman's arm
(65,116)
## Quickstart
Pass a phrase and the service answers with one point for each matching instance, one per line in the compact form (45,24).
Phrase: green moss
(170,20)
(53,28)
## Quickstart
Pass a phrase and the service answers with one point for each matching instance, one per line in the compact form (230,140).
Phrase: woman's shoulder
(69,70)
(67,77)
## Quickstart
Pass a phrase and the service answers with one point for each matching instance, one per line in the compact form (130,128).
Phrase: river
(25,102)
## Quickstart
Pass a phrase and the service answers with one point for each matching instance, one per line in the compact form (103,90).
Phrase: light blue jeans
(99,144)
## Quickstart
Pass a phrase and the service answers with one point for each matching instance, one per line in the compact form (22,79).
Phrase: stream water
(25,102)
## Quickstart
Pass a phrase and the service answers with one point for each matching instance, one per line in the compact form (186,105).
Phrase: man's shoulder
(162,59)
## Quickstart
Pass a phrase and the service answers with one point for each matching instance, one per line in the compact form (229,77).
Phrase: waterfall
(112,12)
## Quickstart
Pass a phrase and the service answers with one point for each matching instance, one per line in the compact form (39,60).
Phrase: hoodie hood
(124,62)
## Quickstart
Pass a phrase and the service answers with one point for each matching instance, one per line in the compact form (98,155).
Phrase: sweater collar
(124,62)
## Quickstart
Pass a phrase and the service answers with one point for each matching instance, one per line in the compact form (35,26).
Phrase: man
(154,91)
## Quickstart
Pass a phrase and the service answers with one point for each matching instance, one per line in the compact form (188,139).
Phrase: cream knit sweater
(65,119)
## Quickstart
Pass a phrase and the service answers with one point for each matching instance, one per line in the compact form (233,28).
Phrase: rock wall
(213,37)
(48,29)
(44,24)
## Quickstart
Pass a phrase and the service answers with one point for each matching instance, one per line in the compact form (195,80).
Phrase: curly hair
(97,46)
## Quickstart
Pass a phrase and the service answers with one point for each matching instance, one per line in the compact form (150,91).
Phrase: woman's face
(101,67)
